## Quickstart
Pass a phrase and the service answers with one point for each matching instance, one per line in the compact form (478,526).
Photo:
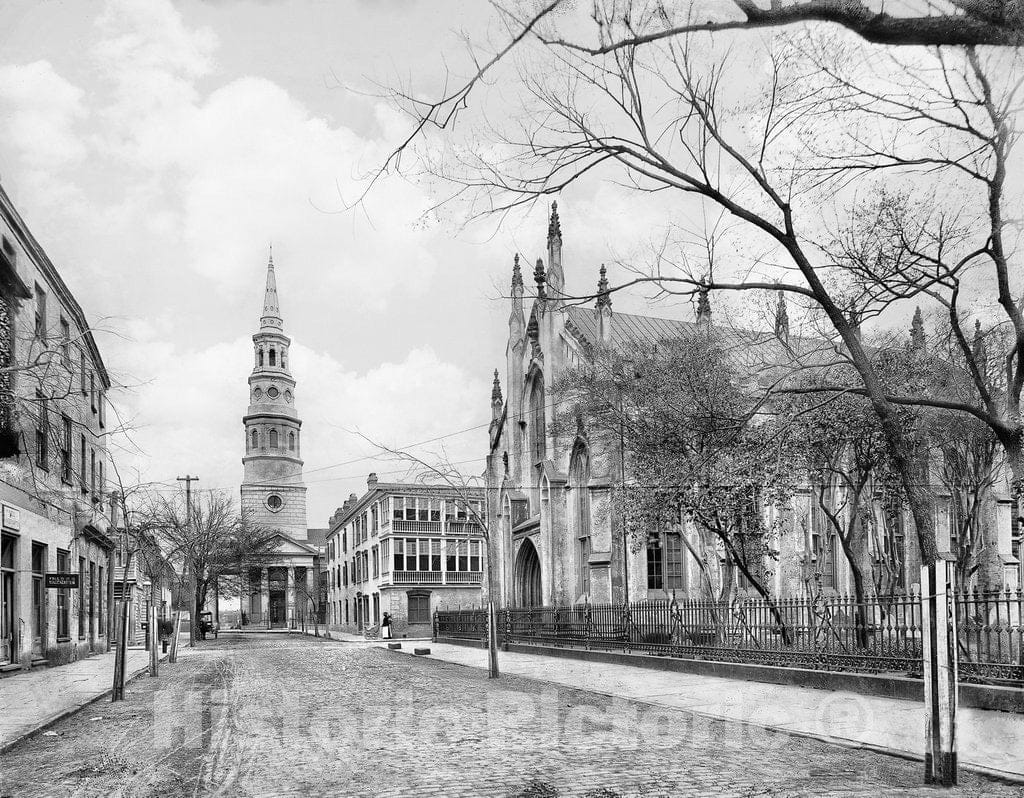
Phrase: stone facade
(54,485)
(558,540)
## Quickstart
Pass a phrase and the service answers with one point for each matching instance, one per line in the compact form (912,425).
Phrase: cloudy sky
(157,148)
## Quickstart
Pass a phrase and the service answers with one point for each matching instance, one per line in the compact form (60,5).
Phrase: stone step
(421,651)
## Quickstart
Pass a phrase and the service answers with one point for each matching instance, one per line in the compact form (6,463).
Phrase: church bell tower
(273,494)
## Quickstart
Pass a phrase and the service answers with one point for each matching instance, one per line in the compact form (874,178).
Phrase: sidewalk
(989,742)
(34,699)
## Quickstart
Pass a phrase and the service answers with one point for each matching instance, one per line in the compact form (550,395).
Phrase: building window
(81,461)
(273,357)
(40,320)
(579,481)
(42,440)
(399,554)
(291,441)
(63,598)
(255,440)
(538,426)
(655,573)
(84,373)
(92,471)
(102,407)
(92,392)
(419,608)
(65,451)
(675,563)
(474,555)
(376,565)
(450,555)
(274,502)
(273,439)
(65,342)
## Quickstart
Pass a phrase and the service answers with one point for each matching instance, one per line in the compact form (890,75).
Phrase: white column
(264,595)
(290,613)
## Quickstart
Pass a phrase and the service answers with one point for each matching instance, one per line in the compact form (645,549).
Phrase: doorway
(527,581)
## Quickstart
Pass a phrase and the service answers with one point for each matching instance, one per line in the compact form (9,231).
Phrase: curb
(993,774)
(72,710)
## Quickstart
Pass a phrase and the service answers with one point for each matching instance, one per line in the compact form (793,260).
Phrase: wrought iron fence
(882,634)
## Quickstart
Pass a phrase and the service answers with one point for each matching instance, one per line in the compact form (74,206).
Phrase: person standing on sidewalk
(385,627)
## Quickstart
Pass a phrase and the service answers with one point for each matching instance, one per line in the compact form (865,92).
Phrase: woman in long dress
(385,627)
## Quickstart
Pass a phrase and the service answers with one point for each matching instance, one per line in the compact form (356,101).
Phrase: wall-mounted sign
(62,580)
(11,517)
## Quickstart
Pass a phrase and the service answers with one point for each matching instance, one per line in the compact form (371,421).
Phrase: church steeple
(271,318)
(273,494)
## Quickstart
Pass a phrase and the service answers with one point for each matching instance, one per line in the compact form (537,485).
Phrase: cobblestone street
(276,715)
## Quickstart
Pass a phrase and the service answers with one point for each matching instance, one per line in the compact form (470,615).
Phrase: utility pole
(188,479)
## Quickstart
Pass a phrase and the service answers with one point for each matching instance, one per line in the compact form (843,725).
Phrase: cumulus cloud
(43,109)
(189,417)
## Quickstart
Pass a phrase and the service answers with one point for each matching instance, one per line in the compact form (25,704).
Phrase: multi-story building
(53,456)
(404,549)
(558,539)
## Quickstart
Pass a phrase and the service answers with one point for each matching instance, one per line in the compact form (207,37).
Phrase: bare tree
(207,544)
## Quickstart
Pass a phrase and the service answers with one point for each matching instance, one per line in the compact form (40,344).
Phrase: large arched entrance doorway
(528,576)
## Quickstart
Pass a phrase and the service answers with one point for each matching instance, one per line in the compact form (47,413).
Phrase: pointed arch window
(273,357)
(291,441)
(273,434)
(259,358)
(579,482)
(255,439)
(538,444)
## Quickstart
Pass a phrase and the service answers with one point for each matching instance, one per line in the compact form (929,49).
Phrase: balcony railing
(463,528)
(463,577)
(435,577)
(416,526)
(416,577)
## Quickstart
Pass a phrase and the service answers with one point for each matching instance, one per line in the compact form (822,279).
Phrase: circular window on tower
(274,502)
(288,397)
(272,392)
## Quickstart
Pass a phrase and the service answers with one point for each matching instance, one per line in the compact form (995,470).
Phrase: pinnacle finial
(496,389)
(517,273)
(270,260)
(703,305)
(540,278)
(917,336)
(554,225)
(604,297)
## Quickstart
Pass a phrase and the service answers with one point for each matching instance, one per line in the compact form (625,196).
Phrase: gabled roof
(760,347)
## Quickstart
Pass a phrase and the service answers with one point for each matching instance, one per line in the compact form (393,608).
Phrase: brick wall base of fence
(1002,699)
